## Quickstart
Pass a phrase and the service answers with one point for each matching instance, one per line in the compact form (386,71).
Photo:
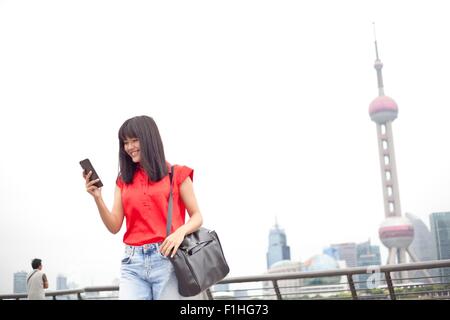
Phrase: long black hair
(152,159)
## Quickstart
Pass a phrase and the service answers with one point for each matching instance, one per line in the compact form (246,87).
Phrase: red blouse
(145,205)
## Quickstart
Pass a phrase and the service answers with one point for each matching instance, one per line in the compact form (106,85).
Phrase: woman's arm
(173,241)
(190,202)
(112,219)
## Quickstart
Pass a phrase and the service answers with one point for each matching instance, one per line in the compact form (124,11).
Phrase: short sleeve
(181,173)
(119,182)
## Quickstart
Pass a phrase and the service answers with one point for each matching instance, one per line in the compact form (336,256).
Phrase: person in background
(36,281)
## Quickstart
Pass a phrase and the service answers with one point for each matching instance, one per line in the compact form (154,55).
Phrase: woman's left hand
(172,242)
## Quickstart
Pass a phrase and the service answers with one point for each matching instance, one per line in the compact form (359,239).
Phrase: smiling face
(133,149)
(140,145)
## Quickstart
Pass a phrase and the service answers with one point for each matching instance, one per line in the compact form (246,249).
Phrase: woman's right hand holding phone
(90,186)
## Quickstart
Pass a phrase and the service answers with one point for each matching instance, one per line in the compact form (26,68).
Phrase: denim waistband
(143,249)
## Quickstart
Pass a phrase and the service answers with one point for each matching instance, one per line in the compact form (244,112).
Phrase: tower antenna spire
(375,38)
(378,65)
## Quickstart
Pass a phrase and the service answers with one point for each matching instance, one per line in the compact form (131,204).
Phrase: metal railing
(86,293)
(384,282)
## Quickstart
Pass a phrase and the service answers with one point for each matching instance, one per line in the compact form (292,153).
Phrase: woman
(141,195)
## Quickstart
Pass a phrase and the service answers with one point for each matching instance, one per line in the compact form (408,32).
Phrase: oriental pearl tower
(396,232)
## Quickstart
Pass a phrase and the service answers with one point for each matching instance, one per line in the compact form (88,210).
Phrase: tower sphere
(383,109)
(396,232)
(321,262)
(378,64)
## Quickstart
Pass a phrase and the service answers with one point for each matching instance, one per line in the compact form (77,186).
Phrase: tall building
(396,232)
(345,252)
(366,255)
(278,248)
(440,230)
(61,282)
(422,246)
(20,282)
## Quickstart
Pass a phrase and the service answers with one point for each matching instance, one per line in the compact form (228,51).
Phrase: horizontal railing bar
(338,272)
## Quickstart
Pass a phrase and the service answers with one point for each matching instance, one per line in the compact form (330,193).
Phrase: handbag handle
(169,209)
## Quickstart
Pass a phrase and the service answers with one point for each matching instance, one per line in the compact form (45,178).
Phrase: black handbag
(199,262)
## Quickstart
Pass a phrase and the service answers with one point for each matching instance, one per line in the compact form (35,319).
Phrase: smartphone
(87,166)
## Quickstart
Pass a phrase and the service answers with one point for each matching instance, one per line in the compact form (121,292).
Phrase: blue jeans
(147,275)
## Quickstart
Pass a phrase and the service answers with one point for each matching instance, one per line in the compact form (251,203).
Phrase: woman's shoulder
(181,172)
(177,166)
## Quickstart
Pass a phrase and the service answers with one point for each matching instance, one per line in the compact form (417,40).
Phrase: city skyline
(266,101)
(343,252)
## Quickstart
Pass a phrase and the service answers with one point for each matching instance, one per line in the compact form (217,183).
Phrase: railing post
(277,290)
(209,294)
(352,286)
(390,285)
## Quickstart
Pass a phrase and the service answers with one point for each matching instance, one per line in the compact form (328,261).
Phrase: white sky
(266,100)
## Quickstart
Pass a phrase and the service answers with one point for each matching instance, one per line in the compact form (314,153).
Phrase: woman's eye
(130,141)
